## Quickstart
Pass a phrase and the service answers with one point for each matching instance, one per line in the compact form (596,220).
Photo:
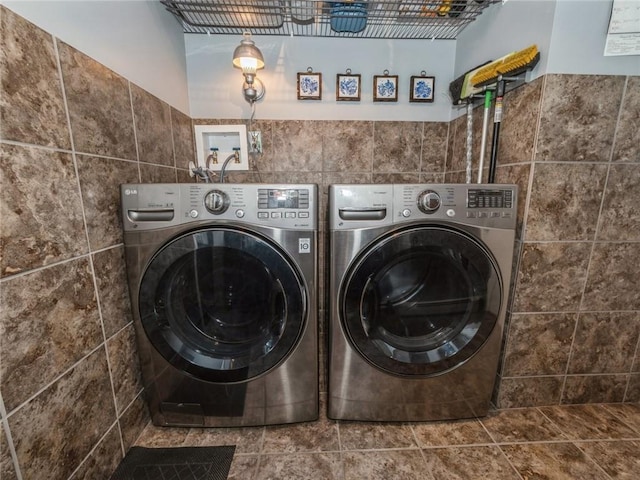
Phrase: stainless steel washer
(418,285)
(223,281)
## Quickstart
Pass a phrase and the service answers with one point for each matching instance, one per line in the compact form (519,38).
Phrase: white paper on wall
(623,35)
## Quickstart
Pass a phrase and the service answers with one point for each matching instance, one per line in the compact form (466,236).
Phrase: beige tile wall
(71,131)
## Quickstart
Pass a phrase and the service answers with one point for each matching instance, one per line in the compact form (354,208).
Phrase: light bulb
(248,64)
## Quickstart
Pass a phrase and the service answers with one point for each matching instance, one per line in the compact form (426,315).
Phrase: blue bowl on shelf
(348,17)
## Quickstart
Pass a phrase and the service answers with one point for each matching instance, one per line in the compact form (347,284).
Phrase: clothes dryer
(419,277)
(222,280)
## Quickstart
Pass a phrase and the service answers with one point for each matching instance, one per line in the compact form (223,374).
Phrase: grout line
(636,359)
(422,150)
(625,89)
(559,312)
(536,135)
(499,446)
(260,450)
(95,447)
(73,151)
(571,375)
(64,150)
(56,264)
(7,432)
(588,457)
(173,143)
(135,130)
(33,145)
(608,407)
(56,379)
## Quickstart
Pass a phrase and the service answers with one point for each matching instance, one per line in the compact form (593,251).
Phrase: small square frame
(309,86)
(348,87)
(421,89)
(385,88)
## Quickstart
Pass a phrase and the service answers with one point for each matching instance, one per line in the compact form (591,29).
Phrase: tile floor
(581,442)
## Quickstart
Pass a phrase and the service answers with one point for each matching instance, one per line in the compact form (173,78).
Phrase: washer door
(421,301)
(223,304)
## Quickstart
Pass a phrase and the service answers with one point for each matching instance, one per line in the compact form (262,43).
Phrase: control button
(216,202)
(276,215)
(303,214)
(406,212)
(471,214)
(193,213)
(495,214)
(428,201)
(482,215)
(451,212)
(289,214)
(263,214)
(240,213)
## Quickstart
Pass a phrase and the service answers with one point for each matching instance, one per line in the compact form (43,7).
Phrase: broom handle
(497,119)
(485,129)
(469,140)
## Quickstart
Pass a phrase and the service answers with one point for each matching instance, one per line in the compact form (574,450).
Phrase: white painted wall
(502,29)
(215,86)
(138,39)
(578,40)
(570,35)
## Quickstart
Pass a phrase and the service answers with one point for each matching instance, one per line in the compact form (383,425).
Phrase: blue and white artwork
(348,87)
(385,88)
(422,89)
(309,86)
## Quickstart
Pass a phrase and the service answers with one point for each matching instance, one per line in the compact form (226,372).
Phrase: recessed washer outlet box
(226,139)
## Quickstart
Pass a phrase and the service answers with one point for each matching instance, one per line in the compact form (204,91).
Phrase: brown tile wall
(572,144)
(70,132)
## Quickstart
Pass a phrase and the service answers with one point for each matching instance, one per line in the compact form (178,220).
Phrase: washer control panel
(148,206)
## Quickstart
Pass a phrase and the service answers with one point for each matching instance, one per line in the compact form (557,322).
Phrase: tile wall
(72,131)
(572,144)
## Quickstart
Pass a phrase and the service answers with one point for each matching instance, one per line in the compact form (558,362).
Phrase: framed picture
(348,87)
(385,88)
(421,89)
(309,85)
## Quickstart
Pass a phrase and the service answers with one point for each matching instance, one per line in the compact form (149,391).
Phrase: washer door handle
(156,215)
(362,213)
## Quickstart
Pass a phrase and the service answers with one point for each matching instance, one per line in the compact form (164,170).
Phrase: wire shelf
(391,19)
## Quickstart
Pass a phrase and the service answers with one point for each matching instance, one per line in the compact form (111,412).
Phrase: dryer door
(421,300)
(223,304)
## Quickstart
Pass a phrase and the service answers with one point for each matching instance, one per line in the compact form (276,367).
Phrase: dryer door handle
(362,213)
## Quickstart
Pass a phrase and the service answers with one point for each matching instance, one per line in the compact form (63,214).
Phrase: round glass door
(421,301)
(222,304)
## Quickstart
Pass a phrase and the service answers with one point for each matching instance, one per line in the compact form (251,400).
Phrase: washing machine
(223,281)
(419,277)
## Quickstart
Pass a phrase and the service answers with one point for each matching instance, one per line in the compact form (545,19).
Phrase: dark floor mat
(184,463)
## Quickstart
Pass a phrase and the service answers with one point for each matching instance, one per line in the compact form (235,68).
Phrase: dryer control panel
(149,206)
(488,205)
(373,205)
